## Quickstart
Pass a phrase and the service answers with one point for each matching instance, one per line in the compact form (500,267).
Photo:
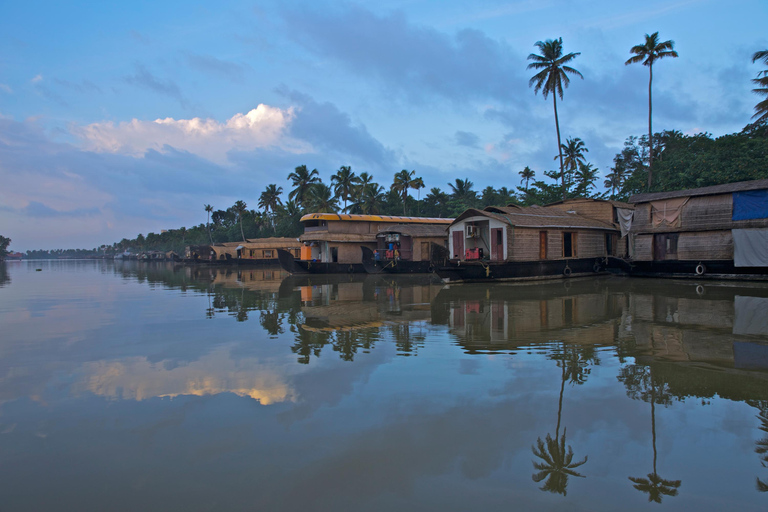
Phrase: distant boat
(14,256)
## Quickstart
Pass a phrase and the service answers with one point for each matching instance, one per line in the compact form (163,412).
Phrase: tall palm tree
(761,109)
(209,210)
(417,185)
(302,180)
(402,182)
(648,53)
(573,155)
(270,201)
(344,182)
(240,208)
(551,78)
(526,175)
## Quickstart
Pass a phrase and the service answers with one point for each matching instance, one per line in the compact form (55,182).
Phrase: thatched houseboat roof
(615,204)
(739,186)
(535,217)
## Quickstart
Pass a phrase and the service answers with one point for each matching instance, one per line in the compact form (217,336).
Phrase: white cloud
(37,78)
(262,127)
(6,88)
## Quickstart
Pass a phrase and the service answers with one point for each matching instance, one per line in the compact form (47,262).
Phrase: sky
(120,118)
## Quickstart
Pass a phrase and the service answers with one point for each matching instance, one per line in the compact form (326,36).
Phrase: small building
(725,224)
(337,238)
(533,233)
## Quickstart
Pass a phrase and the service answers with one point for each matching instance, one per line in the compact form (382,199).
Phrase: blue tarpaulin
(751,204)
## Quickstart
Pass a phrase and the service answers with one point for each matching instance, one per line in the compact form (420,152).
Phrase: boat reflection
(351,313)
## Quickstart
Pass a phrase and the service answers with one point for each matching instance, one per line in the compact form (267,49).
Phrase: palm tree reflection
(557,457)
(640,384)
(761,447)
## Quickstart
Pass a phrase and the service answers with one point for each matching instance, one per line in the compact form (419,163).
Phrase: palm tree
(526,175)
(270,201)
(462,191)
(761,109)
(344,182)
(208,209)
(302,180)
(240,208)
(321,199)
(585,178)
(417,185)
(648,53)
(402,182)
(614,181)
(438,200)
(371,198)
(551,79)
(573,154)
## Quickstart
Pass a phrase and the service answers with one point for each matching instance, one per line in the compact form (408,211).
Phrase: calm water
(148,387)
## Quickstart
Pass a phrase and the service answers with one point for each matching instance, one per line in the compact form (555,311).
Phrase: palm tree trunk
(559,149)
(653,424)
(241,227)
(650,130)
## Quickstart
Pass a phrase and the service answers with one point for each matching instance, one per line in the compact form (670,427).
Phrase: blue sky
(126,118)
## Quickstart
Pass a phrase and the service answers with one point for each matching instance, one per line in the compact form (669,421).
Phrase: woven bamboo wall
(702,213)
(522,244)
(705,245)
(597,210)
(707,212)
(643,247)
(590,244)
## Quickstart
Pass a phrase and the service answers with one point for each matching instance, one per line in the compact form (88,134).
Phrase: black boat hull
(478,271)
(294,266)
(699,269)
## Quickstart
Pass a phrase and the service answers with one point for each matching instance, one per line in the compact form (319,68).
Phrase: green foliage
(4,243)
(692,161)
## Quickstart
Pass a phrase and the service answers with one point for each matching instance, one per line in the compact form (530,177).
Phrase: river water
(133,386)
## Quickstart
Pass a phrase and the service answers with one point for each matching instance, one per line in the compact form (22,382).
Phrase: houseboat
(332,242)
(252,252)
(407,249)
(718,232)
(534,242)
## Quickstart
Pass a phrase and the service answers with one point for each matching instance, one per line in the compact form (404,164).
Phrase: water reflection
(5,278)
(761,445)
(352,313)
(216,379)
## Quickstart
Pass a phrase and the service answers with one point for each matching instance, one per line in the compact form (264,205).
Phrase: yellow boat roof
(375,218)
